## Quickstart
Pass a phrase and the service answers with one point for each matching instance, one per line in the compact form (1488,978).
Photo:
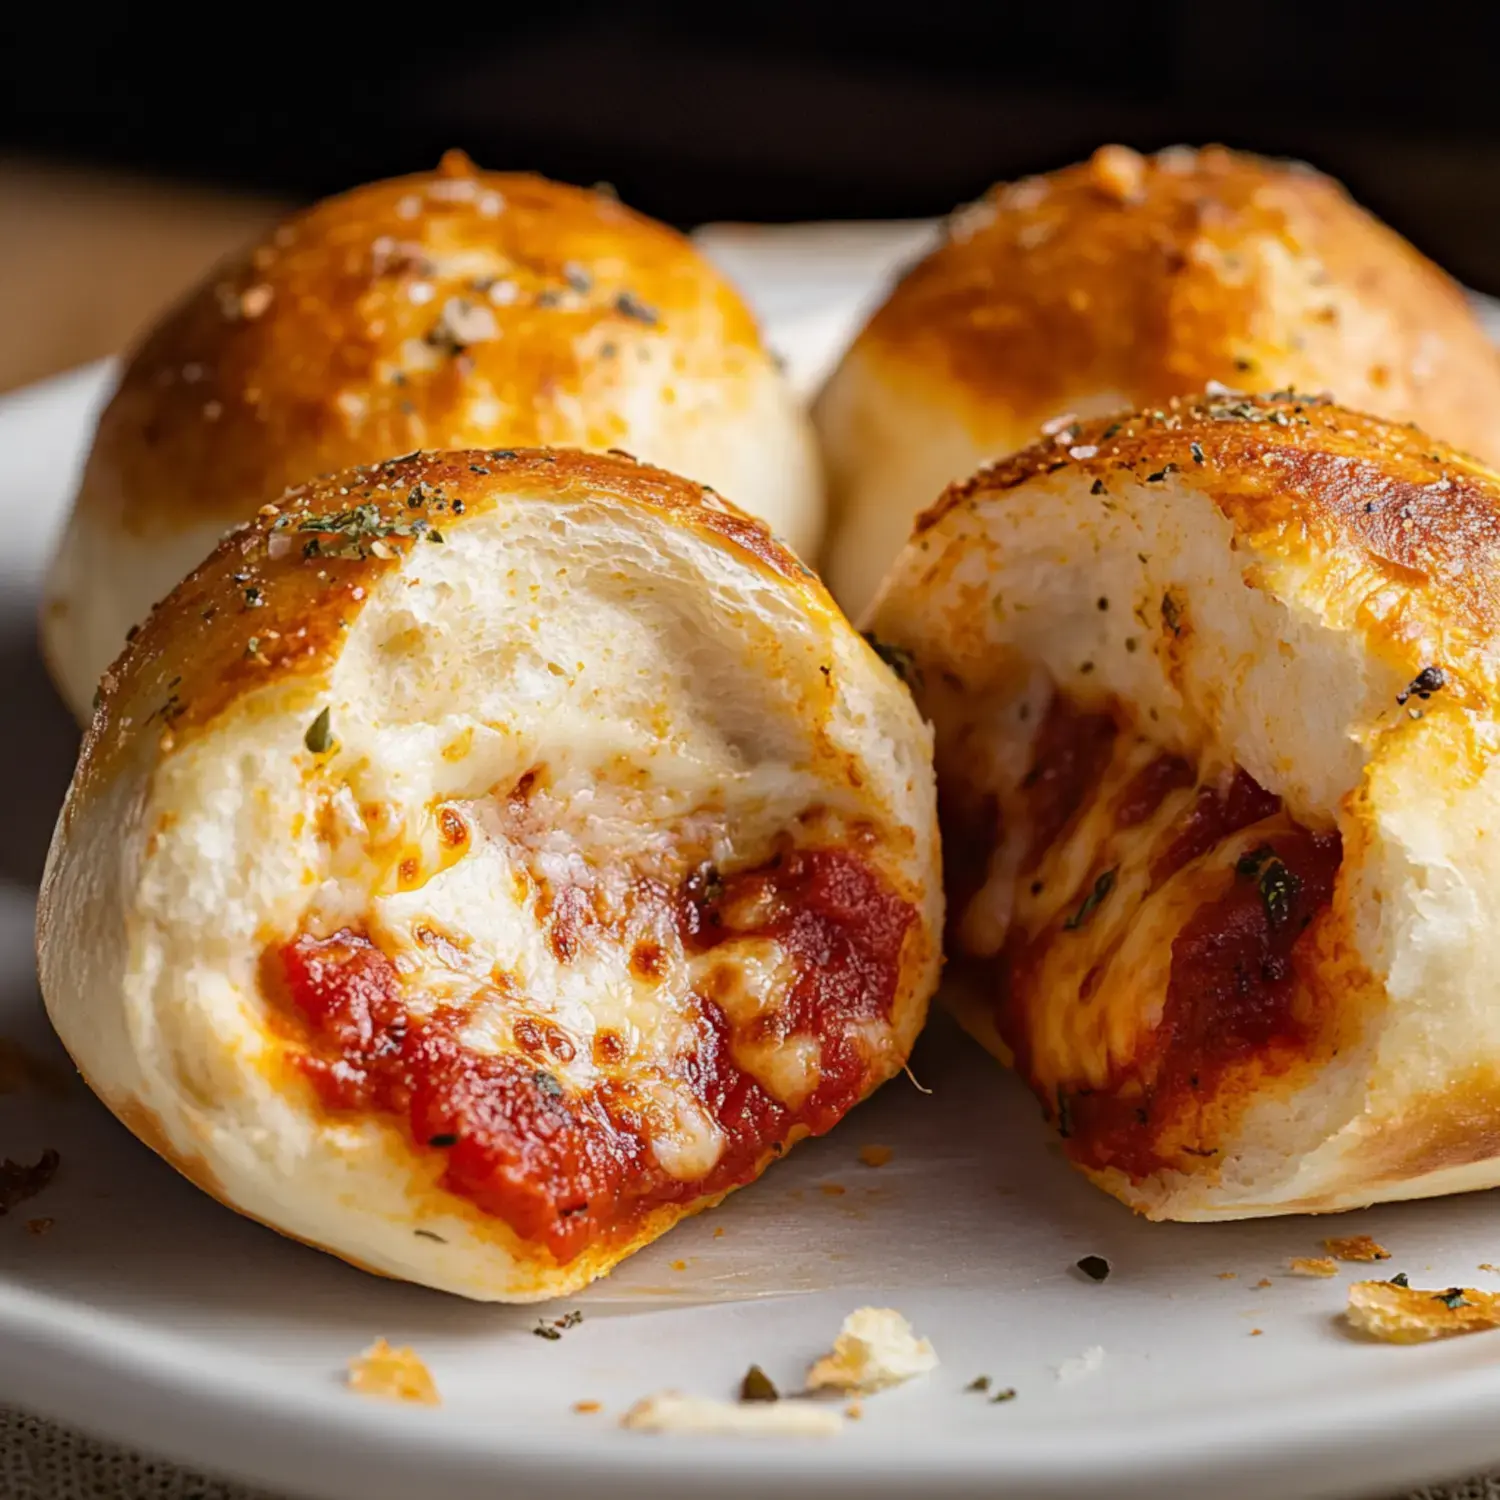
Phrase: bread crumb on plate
(1411,1315)
(875,1156)
(670,1411)
(19,1182)
(875,1348)
(393,1374)
(1312,1265)
(1358,1247)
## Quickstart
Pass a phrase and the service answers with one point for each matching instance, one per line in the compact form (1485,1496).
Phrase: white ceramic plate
(151,1315)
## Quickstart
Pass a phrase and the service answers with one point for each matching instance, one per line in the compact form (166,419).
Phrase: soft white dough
(682,701)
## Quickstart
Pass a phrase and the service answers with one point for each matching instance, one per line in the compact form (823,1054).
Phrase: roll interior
(1213,689)
(486,859)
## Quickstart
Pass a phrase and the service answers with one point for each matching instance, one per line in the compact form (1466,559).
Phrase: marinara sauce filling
(1233,996)
(570,1167)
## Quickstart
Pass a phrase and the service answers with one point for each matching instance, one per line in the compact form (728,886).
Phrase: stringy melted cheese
(1118,954)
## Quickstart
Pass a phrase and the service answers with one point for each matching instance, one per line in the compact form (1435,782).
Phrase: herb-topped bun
(1117,284)
(1218,750)
(485,859)
(455,309)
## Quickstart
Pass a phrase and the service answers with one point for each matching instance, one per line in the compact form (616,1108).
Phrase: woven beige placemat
(41,1461)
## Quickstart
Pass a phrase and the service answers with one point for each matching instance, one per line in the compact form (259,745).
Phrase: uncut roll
(449,309)
(1219,768)
(1119,283)
(485,859)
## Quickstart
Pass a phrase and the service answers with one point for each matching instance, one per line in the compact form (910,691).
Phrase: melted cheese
(1120,957)
(686,1141)
(749,979)
(788,1070)
(477,927)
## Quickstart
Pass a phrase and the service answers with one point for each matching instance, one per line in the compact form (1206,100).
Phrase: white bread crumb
(875,1349)
(670,1411)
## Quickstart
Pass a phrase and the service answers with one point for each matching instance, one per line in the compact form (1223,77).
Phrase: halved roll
(451,309)
(1214,690)
(485,859)
(1117,284)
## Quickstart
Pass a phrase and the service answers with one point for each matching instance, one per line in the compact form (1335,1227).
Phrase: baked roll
(486,859)
(1119,283)
(1214,690)
(454,309)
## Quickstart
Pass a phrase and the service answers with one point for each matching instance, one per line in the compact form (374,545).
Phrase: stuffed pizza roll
(449,309)
(1119,283)
(485,859)
(1218,755)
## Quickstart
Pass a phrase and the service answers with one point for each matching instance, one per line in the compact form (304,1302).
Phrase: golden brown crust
(275,597)
(1436,1132)
(1298,475)
(1151,276)
(446,309)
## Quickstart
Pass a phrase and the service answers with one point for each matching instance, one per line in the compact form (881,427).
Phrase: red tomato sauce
(1214,815)
(1150,787)
(570,1168)
(1231,998)
(1071,752)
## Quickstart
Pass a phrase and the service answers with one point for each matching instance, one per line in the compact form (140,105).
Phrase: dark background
(775,111)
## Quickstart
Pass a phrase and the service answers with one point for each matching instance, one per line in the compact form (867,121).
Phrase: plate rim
(134,1383)
(128,1382)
